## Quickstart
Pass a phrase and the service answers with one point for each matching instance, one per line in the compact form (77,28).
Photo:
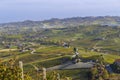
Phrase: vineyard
(12,71)
(48,53)
(19,66)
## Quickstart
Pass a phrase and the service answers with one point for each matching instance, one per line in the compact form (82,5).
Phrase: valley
(53,47)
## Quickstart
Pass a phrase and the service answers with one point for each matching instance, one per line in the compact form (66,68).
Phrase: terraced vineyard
(54,46)
(50,56)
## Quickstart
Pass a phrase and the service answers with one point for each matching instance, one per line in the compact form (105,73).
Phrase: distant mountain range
(66,22)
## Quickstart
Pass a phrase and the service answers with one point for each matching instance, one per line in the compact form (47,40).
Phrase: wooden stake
(21,67)
(58,76)
(44,73)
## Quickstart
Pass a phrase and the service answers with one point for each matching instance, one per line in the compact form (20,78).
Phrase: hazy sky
(19,10)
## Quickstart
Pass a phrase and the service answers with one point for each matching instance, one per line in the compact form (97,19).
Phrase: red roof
(117,60)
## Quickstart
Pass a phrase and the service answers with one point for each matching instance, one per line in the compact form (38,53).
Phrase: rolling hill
(66,22)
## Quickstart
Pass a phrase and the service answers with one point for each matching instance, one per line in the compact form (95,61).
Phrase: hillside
(37,45)
(60,23)
(93,37)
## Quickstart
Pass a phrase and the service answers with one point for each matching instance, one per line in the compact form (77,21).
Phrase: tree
(105,74)
(11,71)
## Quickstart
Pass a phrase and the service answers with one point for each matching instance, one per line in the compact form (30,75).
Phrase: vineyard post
(21,67)
(58,76)
(44,73)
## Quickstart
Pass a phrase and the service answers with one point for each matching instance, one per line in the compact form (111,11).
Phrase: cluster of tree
(115,67)
(98,72)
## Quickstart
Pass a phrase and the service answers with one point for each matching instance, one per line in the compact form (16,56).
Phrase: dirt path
(7,50)
(71,65)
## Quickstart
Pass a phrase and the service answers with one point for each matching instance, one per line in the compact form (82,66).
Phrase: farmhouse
(117,62)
